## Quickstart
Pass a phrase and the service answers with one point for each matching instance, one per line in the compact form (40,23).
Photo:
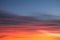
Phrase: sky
(28,28)
(29,7)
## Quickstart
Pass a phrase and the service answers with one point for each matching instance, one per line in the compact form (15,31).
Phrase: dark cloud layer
(9,18)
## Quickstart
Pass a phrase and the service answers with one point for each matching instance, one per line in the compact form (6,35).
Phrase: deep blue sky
(29,7)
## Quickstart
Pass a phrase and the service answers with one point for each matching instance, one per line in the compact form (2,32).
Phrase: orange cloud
(27,32)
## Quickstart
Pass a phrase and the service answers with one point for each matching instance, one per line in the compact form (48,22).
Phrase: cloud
(2,36)
(9,18)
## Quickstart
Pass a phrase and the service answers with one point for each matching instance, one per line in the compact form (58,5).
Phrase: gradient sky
(29,7)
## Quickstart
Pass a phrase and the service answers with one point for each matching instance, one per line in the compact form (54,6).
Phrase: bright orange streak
(26,36)
(16,34)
